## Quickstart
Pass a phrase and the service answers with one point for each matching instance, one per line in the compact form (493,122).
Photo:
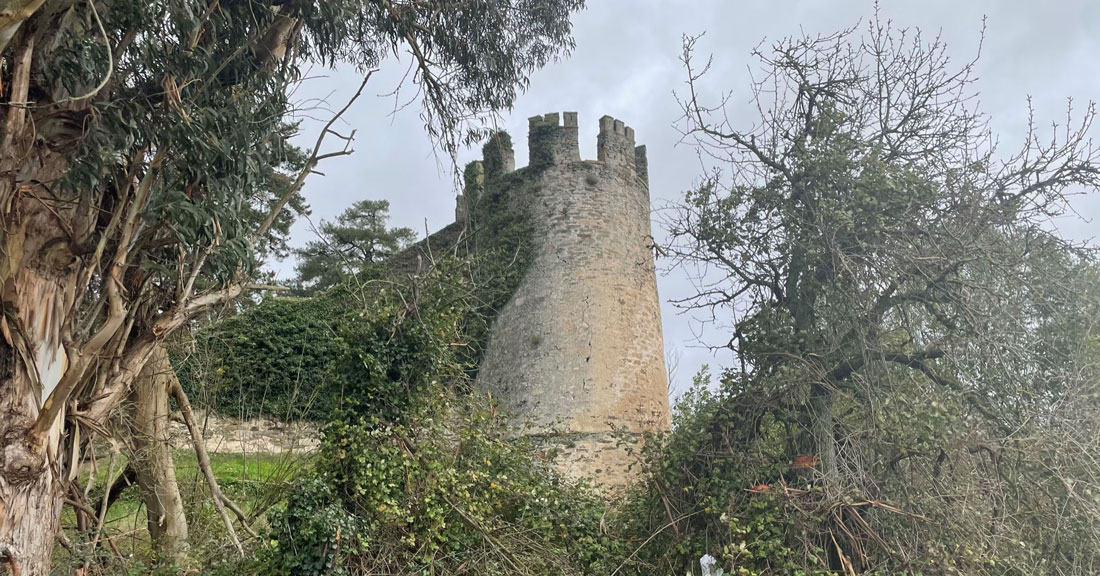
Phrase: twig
(197,31)
(110,59)
(204,465)
(887,507)
(651,537)
(472,523)
(104,505)
(189,420)
(315,157)
(844,560)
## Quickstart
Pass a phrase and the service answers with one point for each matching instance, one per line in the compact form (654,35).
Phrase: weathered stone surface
(577,351)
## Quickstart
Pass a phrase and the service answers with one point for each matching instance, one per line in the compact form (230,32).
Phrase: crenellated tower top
(549,142)
(552,139)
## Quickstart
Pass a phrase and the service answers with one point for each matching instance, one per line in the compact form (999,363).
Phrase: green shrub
(276,359)
(367,343)
(714,485)
(364,349)
(447,493)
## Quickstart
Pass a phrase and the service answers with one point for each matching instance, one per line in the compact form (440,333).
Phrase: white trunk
(151,454)
(38,280)
(30,493)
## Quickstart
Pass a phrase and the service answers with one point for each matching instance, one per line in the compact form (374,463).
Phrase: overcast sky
(626,64)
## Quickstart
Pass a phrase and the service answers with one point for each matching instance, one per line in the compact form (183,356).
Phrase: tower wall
(578,351)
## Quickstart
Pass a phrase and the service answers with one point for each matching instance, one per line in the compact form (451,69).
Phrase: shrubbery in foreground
(446,493)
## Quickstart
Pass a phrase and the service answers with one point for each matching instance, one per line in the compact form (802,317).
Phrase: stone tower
(577,352)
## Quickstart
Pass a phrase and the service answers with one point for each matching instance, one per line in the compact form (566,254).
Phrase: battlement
(611,129)
(615,146)
(498,156)
(549,142)
(553,139)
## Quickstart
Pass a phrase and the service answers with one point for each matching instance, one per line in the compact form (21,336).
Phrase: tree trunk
(32,362)
(12,15)
(32,514)
(151,457)
(37,291)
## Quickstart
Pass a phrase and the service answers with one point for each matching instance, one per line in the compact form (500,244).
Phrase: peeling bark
(30,463)
(151,457)
(38,280)
(32,514)
(78,320)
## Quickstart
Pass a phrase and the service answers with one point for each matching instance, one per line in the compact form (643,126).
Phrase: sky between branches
(626,64)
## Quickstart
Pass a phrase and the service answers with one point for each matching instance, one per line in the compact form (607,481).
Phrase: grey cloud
(627,64)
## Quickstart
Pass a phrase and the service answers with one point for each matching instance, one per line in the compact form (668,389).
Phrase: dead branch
(103,506)
(203,458)
(315,157)
(651,537)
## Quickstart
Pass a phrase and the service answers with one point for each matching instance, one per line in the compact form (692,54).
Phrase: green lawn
(256,482)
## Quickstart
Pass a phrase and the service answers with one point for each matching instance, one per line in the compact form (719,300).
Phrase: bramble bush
(698,495)
(446,492)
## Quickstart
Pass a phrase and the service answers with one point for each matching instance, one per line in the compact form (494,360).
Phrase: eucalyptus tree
(886,267)
(145,159)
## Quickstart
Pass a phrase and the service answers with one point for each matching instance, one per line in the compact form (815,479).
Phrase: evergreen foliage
(358,241)
(275,359)
(364,350)
(363,338)
(500,245)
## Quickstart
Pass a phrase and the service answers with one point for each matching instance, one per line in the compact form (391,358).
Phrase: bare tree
(872,244)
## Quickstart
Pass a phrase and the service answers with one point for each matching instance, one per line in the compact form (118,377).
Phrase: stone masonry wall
(577,351)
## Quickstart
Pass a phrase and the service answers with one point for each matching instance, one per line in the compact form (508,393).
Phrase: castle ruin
(576,355)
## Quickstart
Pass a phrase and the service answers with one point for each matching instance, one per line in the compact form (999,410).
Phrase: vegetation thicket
(917,381)
(916,388)
(149,168)
(367,334)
